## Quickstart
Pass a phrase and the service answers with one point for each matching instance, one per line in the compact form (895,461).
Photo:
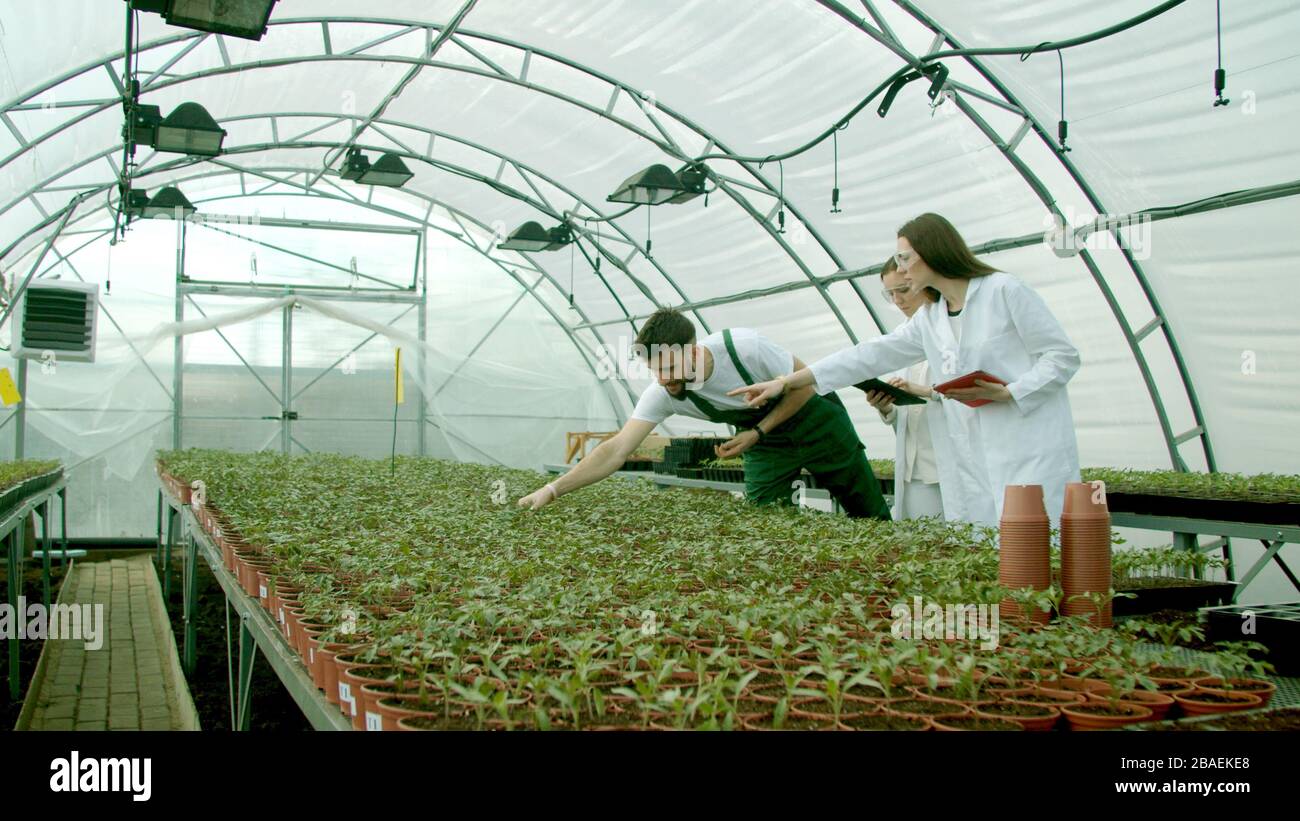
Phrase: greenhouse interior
(789,365)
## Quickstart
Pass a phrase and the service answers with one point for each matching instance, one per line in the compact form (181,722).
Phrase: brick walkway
(133,681)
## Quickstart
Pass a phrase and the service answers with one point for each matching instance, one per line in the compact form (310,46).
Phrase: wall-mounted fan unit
(58,317)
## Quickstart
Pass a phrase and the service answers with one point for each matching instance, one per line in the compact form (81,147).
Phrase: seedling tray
(11,497)
(1276,626)
(1191,507)
(1171,594)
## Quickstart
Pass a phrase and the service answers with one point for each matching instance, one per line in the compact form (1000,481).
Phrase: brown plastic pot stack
(1025,536)
(1085,551)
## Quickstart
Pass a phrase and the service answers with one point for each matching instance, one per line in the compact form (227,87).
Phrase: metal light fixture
(658,184)
(135,202)
(692,178)
(388,170)
(168,202)
(189,129)
(355,165)
(531,236)
(144,124)
(236,18)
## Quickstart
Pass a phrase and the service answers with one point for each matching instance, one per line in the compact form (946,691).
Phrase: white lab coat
(900,418)
(1008,331)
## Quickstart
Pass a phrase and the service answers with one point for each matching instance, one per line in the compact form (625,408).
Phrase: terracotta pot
(1046,718)
(1206,702)
(893,723)
(819,723)
(359,678)
(1085,553)
(943,695)
(818,708)
(299,638)
(1056,698)
(456,722)
(1023,546)
(1254,686)
(393,707)
(914,707)
(329,670)
(1089,716)
(1160,703)
(264,585)
(975,722)
(1072,685)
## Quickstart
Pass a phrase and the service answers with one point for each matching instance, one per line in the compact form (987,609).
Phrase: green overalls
(820,437)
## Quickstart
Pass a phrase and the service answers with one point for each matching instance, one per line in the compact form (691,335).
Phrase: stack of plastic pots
(1085,552)
(1025,537)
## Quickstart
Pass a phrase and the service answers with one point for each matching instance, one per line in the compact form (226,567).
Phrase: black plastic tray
(1189,596)
(10,498)
(1189,507)
(1276,626)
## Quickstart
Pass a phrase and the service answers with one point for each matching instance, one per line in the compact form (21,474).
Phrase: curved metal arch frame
(524,170)
(526,289)
(499,74)
(1172,441)
(231,169)
(540,205)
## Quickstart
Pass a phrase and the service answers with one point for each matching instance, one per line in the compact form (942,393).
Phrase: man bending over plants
(803,430)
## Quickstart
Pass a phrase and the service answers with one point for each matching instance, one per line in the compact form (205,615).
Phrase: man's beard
(676,387)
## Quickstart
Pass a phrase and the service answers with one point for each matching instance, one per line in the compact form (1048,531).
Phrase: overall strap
(735,359)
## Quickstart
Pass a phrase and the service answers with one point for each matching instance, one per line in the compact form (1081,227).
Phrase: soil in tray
(979,724)
(880,721)
(272,706)
(29,652)
(1008,708)
(1102,708)
(929,708)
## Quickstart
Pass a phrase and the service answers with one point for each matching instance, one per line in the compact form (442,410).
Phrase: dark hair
(938,243)
(891,265)
(666,327)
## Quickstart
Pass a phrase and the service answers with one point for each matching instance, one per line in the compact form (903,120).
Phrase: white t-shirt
(763,359)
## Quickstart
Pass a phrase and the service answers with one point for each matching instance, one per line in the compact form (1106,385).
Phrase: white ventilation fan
(58,317)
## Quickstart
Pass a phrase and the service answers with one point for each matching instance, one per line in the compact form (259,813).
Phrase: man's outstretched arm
(607,457)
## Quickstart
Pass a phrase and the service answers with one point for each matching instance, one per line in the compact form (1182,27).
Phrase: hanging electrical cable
(1062,127)
(1220,76)
(835,164)
(922,67)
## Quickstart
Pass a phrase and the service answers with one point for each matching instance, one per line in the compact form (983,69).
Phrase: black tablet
(900,396)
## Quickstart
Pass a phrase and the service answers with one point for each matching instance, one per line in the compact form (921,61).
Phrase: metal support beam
(20,413)
(286,377)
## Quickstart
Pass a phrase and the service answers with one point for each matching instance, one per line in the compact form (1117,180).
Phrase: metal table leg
(247,655)
(158,543)
(167,554)
(63,523)
(13,583)
(45,551)
(189,595)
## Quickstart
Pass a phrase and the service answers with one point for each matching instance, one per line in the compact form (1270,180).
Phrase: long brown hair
(941,246)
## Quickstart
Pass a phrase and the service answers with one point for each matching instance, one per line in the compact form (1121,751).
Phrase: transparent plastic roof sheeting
(555,104)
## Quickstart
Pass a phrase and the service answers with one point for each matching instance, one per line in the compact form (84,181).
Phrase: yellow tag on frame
(8,390)
(397,365)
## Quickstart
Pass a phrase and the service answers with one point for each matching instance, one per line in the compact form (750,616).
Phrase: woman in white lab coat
(984,320)
(916,468)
